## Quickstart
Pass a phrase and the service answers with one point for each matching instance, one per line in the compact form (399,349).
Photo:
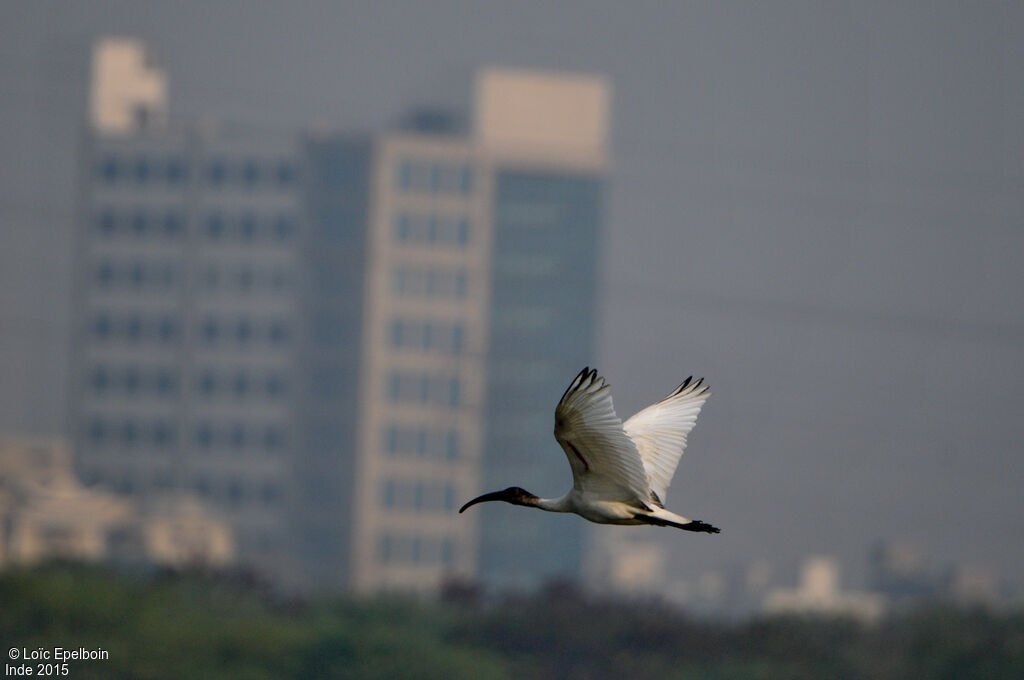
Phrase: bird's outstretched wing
(605,462)
(659,431)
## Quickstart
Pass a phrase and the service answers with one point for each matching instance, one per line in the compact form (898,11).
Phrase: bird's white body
(596,510)
(621,471)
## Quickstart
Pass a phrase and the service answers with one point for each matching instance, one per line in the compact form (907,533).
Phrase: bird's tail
(663,518)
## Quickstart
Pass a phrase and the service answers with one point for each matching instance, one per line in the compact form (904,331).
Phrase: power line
(658,297)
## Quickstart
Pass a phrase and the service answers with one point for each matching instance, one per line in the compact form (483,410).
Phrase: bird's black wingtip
(702,527)
(587,374)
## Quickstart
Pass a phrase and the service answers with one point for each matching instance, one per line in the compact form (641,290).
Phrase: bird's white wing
(605,462)
(659,431)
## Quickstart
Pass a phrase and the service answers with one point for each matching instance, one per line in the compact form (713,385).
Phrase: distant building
(128,91)
(975,585)
(335,341)
(404,254)
(898,571)
(184,325)
(45,513)
(626,561)
(818,592)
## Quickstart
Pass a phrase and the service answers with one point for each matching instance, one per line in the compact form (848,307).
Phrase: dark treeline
(192,626)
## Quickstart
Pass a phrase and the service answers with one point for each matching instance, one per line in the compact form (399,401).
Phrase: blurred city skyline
(817,208)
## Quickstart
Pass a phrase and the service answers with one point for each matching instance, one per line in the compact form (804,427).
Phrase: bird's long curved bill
(493,496)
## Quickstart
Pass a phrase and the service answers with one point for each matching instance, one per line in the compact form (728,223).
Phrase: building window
(250,173)
(138,223)
(234,493)
(202,486)
(207,383)
(402,230)
(129,434)
(247,227)
(389,494)
(420,175)
(285,173)
(163,434)
(100,380)
(109,224)
(421,441)
(273,438)
(245,278)
(271,493)
(237,436)
(429,282)
(278,281)
(211,278)
(97,430)
(217,172)
(441,337)
(215,227)
(278,333)
(240,385)
(424,229)
(204,436)
(175,171)
(102,326)
(131,380)
(142,170)
(275,386)
(174,224)
(104,274)
(133,328)
(166,382)
(167,329)
(135,275)
(244,331)
(417,495)
(108,169)
(283,228)
(211,331)
(405,175)
(415,549)
(106,222)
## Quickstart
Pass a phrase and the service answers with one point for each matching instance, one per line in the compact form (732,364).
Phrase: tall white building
(184,311)
(422,376)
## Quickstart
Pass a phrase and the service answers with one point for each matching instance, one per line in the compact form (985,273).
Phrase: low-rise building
(46,513)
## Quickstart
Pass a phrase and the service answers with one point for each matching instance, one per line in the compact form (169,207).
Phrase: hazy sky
(817,206)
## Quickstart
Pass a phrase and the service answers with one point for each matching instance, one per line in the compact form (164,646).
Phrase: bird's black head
(512,494)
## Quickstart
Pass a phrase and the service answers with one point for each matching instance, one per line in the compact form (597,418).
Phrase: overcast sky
(817,206)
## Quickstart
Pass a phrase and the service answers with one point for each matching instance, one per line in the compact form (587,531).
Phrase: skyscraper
(403,238)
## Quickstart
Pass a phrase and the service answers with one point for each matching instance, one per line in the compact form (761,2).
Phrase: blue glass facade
(543,287)
(334,257)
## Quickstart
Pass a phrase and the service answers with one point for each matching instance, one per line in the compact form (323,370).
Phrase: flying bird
(620,471)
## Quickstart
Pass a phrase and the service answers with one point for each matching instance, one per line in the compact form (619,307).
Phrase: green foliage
(187,627)
(200,627)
